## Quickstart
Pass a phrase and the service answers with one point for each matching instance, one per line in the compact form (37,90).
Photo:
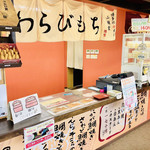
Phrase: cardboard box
(115,93)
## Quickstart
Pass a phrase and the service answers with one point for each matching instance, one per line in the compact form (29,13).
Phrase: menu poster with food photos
(129,93)
(24,108)
(38,134)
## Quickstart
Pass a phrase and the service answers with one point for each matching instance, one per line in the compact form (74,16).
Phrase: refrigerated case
(136,56)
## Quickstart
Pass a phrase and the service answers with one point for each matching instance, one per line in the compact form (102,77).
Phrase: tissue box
(115,93)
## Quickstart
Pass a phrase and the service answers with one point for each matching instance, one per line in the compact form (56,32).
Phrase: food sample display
(84,101)
(74,104)
(136,56)
(9,55)
(53,102)
(67,101)
(71,106)
(59,109)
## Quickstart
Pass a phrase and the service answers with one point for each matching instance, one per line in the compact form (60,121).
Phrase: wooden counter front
(8,130)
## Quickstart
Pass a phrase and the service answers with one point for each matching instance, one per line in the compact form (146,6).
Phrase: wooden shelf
(10,28)
(10,65)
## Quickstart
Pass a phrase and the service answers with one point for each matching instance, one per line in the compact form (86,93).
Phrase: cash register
(112,81)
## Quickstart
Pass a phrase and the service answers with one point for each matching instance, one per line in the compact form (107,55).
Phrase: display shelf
(9,65)
(136,56)
(10,28)
(9,55)
(6,40)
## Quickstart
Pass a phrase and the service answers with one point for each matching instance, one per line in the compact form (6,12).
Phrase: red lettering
(145,27)
(142,27)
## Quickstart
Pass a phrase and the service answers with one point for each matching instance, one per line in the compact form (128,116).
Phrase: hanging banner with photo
(129,93)
(92,18)
(74,26)
(108,25)
(49,20)
(26,11)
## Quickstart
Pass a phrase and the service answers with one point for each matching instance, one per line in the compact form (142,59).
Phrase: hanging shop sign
(66,20)
(140,25)
(23,108)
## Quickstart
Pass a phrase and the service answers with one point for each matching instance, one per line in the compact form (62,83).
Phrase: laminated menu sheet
(71,106)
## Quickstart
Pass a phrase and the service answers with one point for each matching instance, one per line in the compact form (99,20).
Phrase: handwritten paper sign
(129,93)
(112,120)
(37,134)
(108,24)
(24,108)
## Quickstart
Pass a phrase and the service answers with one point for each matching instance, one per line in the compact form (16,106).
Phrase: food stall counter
(100,121)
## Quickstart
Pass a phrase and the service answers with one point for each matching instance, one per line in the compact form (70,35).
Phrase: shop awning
(137,5)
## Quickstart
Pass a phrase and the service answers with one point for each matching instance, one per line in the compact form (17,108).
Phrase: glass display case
(136,56)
